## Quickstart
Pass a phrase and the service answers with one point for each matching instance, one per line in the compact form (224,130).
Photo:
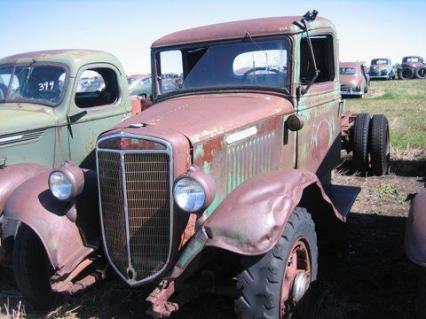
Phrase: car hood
(380,66)
(350,80)
(412,65)
(201,117)
(17,118)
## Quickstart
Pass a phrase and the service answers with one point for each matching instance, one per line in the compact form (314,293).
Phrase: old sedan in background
(353,79)
(382,68)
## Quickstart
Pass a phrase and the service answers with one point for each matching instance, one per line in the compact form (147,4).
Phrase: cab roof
(73,58)
(239,29)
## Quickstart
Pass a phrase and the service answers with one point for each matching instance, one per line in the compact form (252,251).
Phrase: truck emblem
(241,135)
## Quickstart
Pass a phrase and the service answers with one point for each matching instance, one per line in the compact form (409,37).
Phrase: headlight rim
(75,176)
(204,180)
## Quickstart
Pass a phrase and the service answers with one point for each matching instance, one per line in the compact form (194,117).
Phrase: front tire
(33,270)
(269,285)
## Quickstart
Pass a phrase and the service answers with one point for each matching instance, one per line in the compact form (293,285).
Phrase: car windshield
(33,83)
(379,61)
(411,60)
(347,71)
(234,65)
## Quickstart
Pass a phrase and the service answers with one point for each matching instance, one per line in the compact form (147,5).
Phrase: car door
(97,105)
(319,106)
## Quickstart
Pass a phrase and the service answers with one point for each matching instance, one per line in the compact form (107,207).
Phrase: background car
(412,67)
(353,79)
(382,68)
(140,85)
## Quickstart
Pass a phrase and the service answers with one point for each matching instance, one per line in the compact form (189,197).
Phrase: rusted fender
(415,233)
(13,176)
(251,219)
(69,232)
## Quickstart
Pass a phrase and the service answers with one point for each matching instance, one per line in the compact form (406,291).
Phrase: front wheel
(33,270)
(270,285)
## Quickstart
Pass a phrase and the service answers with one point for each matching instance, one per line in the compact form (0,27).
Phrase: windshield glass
(379,61)
(411,60)
(248,64)
(347,71)
(42,84)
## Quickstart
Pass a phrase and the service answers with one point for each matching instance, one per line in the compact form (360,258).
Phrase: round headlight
(189,195)
(60,185)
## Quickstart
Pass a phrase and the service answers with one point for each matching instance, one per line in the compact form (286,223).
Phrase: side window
(96,87)
(171,70)
(324,57)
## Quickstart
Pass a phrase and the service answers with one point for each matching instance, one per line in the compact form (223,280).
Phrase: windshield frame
(155,53)
(38,63)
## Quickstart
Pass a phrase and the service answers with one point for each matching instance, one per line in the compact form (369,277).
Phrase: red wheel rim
(298,261)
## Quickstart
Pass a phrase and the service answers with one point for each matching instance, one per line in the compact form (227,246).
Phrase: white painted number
(46,86)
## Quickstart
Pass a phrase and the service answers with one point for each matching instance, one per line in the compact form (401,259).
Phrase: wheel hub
(300,286)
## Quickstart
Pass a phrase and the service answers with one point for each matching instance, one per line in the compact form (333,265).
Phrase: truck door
(98,103)
(318,142)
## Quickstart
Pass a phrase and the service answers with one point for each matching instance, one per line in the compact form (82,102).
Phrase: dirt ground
(363,271)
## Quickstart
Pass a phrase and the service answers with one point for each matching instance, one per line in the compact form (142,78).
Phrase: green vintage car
(140,85)
(49,113)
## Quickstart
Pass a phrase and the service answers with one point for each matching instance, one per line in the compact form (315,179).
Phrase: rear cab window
(97,87)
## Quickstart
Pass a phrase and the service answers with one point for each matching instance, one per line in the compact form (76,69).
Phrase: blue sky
(127,28)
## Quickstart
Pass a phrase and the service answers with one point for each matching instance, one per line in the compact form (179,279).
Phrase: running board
(343,197)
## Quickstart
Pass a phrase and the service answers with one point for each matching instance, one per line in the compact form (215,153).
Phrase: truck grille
(135,197)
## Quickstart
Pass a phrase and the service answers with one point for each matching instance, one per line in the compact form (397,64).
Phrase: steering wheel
(3,91)
(259,68)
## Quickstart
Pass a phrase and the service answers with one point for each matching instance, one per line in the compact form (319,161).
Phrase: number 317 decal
(46,86)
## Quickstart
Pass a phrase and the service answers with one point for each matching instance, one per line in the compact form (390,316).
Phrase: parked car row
(225,159)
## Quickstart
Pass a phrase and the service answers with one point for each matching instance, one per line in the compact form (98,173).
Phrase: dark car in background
(412,67)
(382,68)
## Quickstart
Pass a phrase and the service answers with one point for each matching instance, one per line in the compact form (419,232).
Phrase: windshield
(347,71)
(248,64)
(42,84)
(411,60)
(379,61)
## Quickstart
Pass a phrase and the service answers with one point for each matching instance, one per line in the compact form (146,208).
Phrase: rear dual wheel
(269,286)
(371,144)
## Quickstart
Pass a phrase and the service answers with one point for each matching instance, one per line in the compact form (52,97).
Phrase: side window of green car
(96,87)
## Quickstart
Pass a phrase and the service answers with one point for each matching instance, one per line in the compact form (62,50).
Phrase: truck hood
(16,118)
(201,117)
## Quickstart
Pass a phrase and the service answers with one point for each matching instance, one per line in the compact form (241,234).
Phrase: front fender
(69,232)
(252,218)
(13,176)
(415,233)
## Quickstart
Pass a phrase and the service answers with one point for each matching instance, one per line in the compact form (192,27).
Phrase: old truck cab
(236,153)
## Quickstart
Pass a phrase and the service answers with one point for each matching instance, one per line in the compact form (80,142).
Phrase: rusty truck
(234,158)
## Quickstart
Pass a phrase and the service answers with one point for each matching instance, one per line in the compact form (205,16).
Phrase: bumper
(379,76)
(351,92)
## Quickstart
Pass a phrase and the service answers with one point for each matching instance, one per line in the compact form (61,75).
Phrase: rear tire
(406,74)
(263,279)
(33,270)
(379,145)
(360,142)
(421,73)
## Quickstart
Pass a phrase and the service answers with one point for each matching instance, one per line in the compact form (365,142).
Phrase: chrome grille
(113,215)
(148,202)
(135,195)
